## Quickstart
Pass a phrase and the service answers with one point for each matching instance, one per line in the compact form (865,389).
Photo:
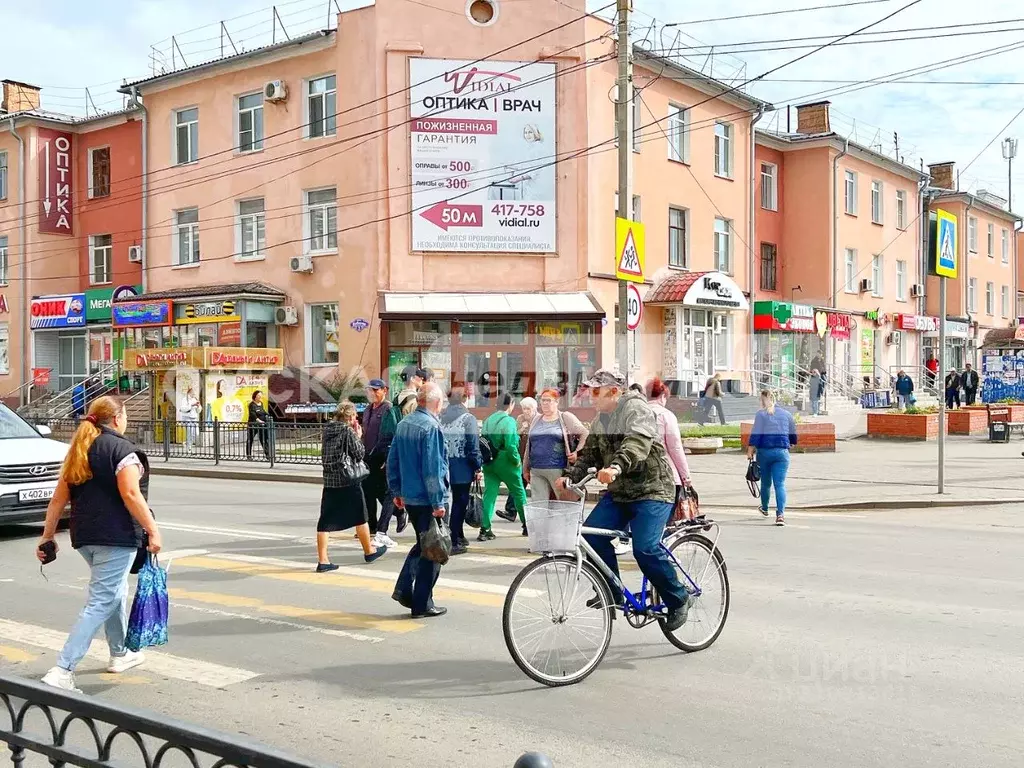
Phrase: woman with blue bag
(106,479)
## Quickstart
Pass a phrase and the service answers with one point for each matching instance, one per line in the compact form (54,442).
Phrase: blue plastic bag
(147,623)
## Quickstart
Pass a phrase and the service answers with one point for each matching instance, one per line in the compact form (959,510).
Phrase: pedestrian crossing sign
(943,244)
(629,250)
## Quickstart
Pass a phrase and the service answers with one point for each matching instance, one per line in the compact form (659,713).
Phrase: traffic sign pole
(942,392)
(624,118)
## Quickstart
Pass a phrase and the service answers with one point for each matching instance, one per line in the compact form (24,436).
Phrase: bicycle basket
(554,526)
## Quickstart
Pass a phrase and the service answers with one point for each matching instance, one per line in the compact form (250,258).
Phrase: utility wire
(780,12)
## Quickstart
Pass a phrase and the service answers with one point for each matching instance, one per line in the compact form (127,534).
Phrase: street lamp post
(1010,152)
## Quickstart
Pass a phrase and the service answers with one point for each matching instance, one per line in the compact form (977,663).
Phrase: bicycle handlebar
(580,488)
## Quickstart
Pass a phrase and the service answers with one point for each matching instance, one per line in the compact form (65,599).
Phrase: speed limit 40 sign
(634,307)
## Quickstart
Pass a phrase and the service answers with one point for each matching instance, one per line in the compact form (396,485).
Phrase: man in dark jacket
(258,418)
(904,389)
(970,382)
(379,424)
(462,439)
(641,489)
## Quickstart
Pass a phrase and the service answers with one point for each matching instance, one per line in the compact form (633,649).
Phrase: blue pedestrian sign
(942,250)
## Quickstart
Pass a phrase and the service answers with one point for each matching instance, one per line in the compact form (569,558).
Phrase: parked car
(30,464)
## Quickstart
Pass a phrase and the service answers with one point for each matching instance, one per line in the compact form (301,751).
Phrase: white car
(29,467)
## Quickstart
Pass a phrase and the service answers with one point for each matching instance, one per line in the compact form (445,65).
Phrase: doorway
(72,360)
(490,372)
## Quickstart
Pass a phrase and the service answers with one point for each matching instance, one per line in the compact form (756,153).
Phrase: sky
(99,43)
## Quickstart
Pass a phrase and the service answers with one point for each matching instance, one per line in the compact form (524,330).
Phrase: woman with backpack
(499,448)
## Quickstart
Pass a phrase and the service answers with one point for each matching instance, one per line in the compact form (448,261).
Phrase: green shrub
(710,430)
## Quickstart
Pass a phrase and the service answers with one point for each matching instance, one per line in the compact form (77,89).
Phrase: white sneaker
(130,660)
(383,540)
(58,677)
(622,548)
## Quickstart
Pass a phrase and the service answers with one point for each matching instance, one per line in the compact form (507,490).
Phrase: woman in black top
(106,479)
(342,504)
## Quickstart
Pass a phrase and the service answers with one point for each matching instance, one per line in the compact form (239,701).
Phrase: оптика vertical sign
(56,180)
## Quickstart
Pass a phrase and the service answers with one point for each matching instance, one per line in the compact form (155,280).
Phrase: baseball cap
(376,384)
(604,377)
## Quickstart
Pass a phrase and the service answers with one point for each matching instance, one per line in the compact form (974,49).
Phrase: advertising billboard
(56,213)
(482,138)
(58,311)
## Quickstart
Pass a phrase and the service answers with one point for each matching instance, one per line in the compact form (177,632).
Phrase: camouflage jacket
(627,437)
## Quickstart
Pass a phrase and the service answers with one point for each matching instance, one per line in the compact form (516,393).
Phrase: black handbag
(475,509)
(352,471)
(754,478)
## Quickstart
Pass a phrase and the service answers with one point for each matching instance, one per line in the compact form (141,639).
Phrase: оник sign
(58,311)
(56,216)
(243,358)
(139,314)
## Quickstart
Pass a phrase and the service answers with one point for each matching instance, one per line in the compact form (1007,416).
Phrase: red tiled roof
(672,289)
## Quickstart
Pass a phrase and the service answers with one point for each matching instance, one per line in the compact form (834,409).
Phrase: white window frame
(972,294)
(309,333)
(990,298)
(4,263)
(307,228)
(89,170)
(258,221)
(685,212)
(1005,245)
(678,135)
(972,234)
(192,236)
(329,117)
(901,280)
(770,202)
(877,202)
(990,240)
(850,192)
(729,343)
(1004,301)
(850,270)
(3,175)
(724,149)
(257,141)
(901,209)
(193,151)
(108,261)
(877,275)
(721,237)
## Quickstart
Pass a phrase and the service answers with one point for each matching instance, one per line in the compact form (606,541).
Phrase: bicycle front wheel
(550,631)
(696,557)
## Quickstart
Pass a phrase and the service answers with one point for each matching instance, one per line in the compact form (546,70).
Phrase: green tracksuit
(500,429)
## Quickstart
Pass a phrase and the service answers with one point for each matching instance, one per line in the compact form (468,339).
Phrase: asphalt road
(869,638)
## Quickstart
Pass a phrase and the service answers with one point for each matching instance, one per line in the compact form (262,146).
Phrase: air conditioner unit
(866,286)
(135,254)
(303,263)
(286,316)
(275,90)
(895,338)
(917,290)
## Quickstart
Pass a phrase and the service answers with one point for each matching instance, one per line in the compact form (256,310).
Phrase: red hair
(655,388)
(552,393)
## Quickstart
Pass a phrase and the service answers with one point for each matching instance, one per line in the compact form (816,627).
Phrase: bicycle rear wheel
(551,633)
(697,556)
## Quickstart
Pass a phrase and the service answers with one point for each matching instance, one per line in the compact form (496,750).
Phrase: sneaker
(486,535)
(460,549)
(677,617)
(780,520)
(59,677)
(325,567)
(383,540)
(622,547)
(381,551)
(764,511)
(504,514)
(525,532)
(130,660)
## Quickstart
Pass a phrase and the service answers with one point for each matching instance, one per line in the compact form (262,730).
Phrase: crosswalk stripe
(15,655)
(279,623)
(157,663)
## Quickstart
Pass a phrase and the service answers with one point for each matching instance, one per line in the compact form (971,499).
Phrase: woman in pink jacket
(668,431)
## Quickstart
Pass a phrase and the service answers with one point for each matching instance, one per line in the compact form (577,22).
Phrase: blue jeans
(418,576)
(106,606)
(647,519)
(815,405)
(774,464)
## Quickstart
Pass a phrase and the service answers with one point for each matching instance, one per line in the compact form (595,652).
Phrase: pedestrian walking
(342,505)
(499,430)
(553,442)
(814,387)
(772,436)
(106,479)
(970,381)
(418,478)
(188,412)
(462,441)
(668,433)
(78,400)
(528,412)
(904,390)
(258,422)
(952,386)
(380,420)
(711,398)
(412,379)
(931,367)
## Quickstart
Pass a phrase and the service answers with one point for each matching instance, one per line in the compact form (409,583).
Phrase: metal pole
(624,126)
(942,389)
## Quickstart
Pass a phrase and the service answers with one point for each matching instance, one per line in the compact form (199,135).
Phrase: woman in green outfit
(500,431)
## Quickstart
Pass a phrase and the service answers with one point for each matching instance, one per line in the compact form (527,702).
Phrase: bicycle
(574,596)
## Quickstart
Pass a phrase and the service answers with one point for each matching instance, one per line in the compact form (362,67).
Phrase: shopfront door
(73,359)
(491,372)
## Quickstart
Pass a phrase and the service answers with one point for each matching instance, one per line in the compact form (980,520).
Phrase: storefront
(103,349)
(959,345)
(60,339)
(495,343)
(786,344)
(1002,365)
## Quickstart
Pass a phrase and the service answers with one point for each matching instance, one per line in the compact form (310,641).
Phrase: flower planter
(968,421)
(1016,410)
(811,436)
(700,446)
(904,426)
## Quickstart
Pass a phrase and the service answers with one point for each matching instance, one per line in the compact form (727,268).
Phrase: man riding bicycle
(641,490)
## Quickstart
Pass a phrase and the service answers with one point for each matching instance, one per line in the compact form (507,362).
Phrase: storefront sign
(58,311)
(835,324)
(159,359)
(954,329)
(783,316)
(3,304)
(243,358)
(229,334)
(56,180)
(715,289)
(98,301)
(208,312)
(41,377)
(867,348)
(916,323)
(877,316)
(138,314)
(228,395)
(471,120)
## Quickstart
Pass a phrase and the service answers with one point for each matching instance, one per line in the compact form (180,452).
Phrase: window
(769,258)
(901,209)
(723,149)
(323,334)
(250,122)
(972,234)
(723,245)
(723,341)
(972,295)
(677,254)
(186,136)
(638,116)
(769,187)
(1005,246)
(1004,301)
(850,272)
(990,241)
(3,259)
(678,141)
(101,259)
(876,275)
(186,235)
(876,202)
(990,298)
(322,220)
(851,193)
(3,175)
(322,106)
(252,229)
(99,172)
(901,280)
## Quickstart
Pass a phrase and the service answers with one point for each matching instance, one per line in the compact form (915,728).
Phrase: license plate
(36,494)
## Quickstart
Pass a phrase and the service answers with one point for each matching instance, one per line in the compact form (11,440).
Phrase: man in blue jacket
(462,439)
(418,479)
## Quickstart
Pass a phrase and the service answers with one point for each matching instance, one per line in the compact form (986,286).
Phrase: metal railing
(72,729)
(68,402)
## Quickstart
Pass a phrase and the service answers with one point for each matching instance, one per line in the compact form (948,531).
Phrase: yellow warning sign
(629,250)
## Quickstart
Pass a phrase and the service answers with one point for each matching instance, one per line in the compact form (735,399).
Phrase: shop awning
(1004,337)
(704,290)
(493,306)
(250,290)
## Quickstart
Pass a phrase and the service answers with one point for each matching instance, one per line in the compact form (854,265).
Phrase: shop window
(186,136)
(420,333)
(492,333)
(256,335)
(3,259)
(5,343)
(322,106)
(564,367)
(322,220)
(99,172)
(723,332)
(322,336)
(769,266)
(101,258)
(250,122)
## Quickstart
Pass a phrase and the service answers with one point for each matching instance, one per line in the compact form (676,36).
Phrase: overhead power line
(779,12)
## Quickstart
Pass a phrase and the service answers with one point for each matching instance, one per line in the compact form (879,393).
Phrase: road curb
(233,474)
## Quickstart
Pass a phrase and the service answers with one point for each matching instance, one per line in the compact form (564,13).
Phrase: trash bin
(998,432)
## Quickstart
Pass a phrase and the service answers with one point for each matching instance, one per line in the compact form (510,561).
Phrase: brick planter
(811,436)
(1016,411)
(967,421)
(904,426)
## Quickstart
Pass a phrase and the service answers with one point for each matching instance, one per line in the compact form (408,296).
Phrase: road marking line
(230,532)
(161,664)
(16,655)
(279,623)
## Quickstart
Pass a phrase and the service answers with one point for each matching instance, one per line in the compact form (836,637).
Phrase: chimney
(942,175)
(813,118)
(18,97)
